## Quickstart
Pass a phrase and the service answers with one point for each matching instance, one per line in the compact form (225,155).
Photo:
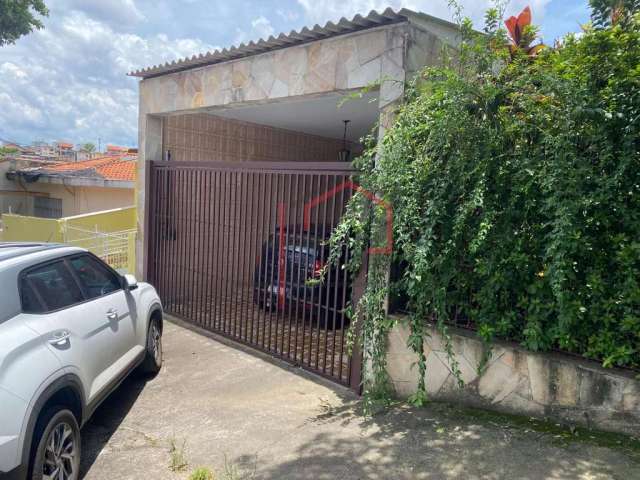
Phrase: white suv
(71,329)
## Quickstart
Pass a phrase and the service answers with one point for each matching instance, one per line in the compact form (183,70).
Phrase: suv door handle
(112,314)
(60,337)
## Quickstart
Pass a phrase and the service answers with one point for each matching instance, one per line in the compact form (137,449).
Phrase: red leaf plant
(520,36)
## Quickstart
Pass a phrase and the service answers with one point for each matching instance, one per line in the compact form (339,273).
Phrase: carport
(244,169)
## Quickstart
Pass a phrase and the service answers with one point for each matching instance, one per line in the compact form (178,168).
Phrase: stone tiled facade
(514,380)
(336,64)
(386,55)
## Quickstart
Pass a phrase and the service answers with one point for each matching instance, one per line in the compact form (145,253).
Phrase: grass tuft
(177,456)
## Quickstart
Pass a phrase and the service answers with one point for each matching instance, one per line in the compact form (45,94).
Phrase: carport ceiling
(317,115)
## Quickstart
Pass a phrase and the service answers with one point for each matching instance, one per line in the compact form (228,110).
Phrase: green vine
(514,178)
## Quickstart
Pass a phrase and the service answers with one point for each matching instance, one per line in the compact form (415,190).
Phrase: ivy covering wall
(514,177)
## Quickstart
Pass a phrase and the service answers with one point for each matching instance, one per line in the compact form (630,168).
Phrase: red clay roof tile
(109,168)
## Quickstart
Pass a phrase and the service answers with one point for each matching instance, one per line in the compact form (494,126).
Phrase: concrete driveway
(247,417)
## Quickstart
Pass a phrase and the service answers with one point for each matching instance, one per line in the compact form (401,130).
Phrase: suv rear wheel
(57,455)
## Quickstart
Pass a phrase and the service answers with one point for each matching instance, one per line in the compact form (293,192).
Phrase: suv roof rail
(25,248)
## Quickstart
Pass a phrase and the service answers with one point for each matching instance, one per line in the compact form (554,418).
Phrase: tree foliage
(605,13)
(4,150)
(19,17)
(515,184)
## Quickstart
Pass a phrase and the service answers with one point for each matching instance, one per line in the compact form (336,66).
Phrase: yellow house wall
(105,221)
(22,228)
(19,228)
(80,200)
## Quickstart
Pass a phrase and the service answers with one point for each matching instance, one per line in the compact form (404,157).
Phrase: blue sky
(69,80)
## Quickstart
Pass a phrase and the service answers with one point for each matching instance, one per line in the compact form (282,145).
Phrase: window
(30,302)
(96,279)
(46,207)
(53,284)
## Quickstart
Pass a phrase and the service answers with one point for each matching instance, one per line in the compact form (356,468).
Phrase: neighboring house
(236,145)
(12,198)
(43,149)
(117,150)
(57,190)
(65,150)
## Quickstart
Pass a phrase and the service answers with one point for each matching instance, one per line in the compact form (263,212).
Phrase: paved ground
(247,418)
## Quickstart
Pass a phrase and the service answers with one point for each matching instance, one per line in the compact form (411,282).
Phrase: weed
(177,454)
(232,472)
(202,473)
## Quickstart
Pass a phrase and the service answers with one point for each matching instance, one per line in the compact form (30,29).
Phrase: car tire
(152,362)
(58,446)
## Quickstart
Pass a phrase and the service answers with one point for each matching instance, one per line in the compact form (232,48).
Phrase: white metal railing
(115,248)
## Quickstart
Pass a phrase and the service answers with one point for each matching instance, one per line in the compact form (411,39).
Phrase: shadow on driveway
(443,441)
(107,418)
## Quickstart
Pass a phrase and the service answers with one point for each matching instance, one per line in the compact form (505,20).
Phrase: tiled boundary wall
(203,137)
(559,387)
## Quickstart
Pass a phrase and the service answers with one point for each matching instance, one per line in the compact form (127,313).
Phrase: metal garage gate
(236,248)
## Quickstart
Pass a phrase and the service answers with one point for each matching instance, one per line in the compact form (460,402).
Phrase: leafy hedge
(515,184)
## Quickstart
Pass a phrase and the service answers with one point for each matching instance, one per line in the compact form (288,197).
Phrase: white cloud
(112,12)
(69,80)
(321,12)
(8,68)
(287,15)
(262,27)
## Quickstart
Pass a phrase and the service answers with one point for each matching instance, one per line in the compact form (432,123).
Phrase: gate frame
(359,282)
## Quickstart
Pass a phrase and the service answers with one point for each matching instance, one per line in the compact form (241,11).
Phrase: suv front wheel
(152,362)
(58,453)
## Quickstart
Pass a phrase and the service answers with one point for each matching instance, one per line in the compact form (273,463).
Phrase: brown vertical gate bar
(184,248)
(200,259)
(345,278)
(192,219)
(229,250)
(238,188)
(245,254)
(233,271)
(168,257)
(174,225)
(252,235)
(177,250)
(215,233)
(293,281)
(286,319)
(308,302)
(327,303)
(319,299)
(244,245)
(299,271)
(206,201)
(177,212)
(257,282)
(272,278)
(264,280)
(222,269)
(161,272)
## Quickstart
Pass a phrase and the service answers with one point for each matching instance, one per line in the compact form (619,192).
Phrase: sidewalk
(265,420)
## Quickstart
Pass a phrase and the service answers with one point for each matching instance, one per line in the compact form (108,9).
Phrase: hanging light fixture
(344,155)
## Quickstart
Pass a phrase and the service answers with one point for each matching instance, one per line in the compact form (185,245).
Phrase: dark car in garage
(288,276)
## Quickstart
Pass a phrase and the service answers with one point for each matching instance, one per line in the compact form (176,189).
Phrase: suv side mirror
(130,282)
